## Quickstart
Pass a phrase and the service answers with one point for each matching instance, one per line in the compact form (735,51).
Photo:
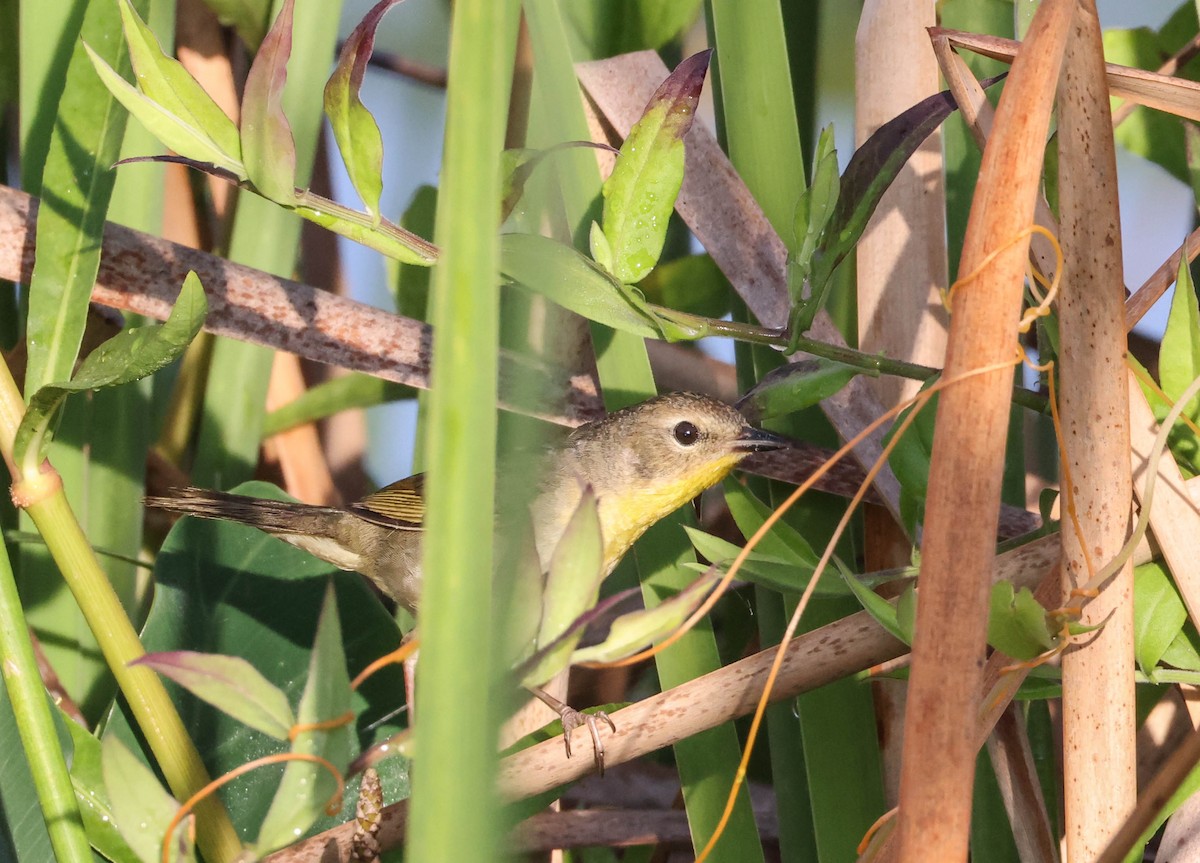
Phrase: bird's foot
(572,719)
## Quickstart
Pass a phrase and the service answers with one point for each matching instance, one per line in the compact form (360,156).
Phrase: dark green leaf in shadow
(911,457)
(813,212)
(229,589)
(355,130)
(307,788)
(250,18)
(268,149)
(127,357)
(639,195)
(561,274)
(516,165)
(693,284)
(141,806)
(1017,624)
(228,683)
(354,390)
(1158,615)
(795,386)
(611,27)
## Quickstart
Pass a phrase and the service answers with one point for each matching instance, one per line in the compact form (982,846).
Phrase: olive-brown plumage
(642,462)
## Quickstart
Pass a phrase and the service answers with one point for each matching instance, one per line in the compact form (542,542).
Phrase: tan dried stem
(963,502)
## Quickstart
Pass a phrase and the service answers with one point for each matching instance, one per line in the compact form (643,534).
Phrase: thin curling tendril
(331,808)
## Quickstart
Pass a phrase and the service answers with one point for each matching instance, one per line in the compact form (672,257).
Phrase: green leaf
(813,211)
(76,185)
(142,808)
(611,27)
(354,390)
(229,589)
(785,575)
(639,195)
(1184,651)
(355,130)
(164,81)
(126,357)
(884,612)
(561,274)
(174,132)
(795,386)
(1158,615)
(306,788)
(600,249)
(782,541)
(87,776)
(911,457)
(906,611)
(249,17)
(268,149)
(871,171)
(378,234)
(631,632)
(1017,624)
(693,284)
(228,683)
(1179,360)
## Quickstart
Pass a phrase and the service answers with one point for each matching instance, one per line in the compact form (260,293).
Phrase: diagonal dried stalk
(968,454)
(142,273)
(1099,723)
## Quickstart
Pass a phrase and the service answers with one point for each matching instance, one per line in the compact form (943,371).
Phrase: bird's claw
(572,719)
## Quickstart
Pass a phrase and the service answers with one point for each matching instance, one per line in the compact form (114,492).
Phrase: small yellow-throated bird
(642,463)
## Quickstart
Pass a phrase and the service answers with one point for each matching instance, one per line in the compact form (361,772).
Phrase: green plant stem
(872,363)
(148,700)
(35,723)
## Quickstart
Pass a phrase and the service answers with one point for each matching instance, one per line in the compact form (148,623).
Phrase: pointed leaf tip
(681,91)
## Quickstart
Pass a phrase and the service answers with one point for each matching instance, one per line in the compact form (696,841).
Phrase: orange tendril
(401,653)
(331,808)
(324,725)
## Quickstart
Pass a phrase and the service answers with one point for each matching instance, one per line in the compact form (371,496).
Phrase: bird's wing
(400,505)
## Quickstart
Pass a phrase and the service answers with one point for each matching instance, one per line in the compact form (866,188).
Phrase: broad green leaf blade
(127,357)
(1017,623)
(639,195)
(173,131)
(164,81)
(561,274)
(87,775)
(306,787)
(1159,615)
(228,683)
(795,386)
(638,629)
(141,806)
(355,130)
(77,182)
(230,589)
(1179,358)
(268,149)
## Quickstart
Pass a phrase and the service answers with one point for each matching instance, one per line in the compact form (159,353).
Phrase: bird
(641,463)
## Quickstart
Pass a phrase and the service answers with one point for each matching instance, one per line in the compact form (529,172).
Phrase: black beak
(757,440)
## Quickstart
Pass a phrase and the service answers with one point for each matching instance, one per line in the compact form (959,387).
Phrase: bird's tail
(272,516)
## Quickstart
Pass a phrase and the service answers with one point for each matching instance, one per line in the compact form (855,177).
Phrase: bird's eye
(686,433)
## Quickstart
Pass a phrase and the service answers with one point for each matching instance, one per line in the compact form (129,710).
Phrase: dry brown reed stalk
(1099,721)
(963,501)
(901,270)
